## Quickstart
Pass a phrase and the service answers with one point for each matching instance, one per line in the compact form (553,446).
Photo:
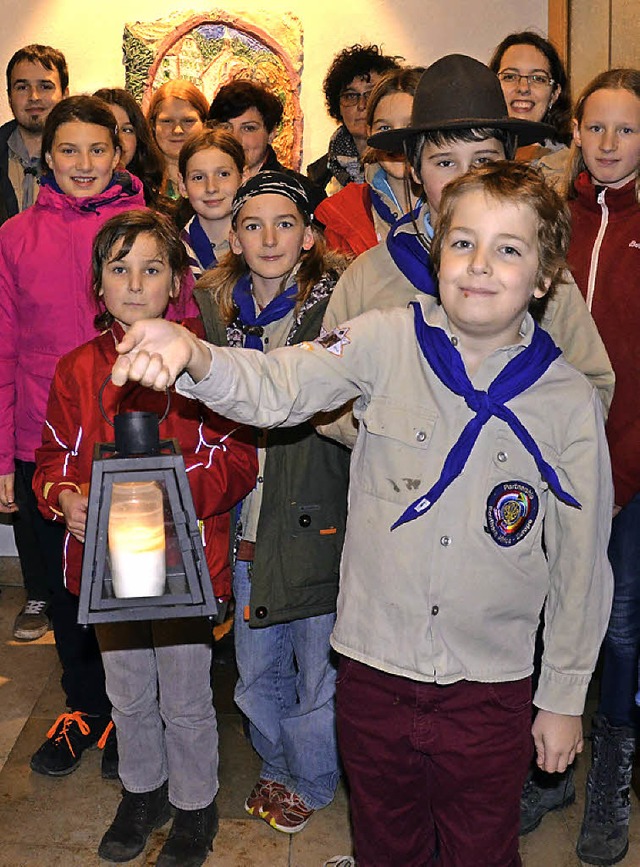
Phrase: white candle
(137,540)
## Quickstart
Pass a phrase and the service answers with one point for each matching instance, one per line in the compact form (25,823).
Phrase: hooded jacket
(47,306)
(604,256)
(350,217)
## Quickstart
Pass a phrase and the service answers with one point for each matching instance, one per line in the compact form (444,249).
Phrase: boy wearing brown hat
(459,120)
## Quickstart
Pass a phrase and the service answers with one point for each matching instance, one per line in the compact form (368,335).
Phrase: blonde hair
(522,184)
(313,263)
(613,79)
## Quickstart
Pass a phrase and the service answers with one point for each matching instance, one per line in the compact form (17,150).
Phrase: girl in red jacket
(604,257)
(157,672)
(359,216)
(46,310)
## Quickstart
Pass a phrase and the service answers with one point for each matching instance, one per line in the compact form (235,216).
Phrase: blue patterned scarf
(252,325)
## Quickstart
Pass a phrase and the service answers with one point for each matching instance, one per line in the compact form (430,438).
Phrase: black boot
(137,816)
(189,841)
(604,836)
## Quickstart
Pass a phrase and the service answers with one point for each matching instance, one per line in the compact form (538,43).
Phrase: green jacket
(304,505)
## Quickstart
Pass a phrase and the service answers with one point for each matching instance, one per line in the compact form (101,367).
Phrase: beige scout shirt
(438,599)
(373,280)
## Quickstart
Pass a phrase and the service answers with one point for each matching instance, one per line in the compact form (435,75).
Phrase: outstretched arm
(155,352)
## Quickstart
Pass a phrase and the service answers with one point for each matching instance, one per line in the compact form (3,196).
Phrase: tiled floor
(58,822)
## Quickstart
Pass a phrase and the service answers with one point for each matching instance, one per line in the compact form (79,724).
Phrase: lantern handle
(106,417)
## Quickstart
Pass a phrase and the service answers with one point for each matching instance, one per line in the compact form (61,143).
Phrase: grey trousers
(158,680)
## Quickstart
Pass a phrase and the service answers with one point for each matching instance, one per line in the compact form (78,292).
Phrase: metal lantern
(143,555)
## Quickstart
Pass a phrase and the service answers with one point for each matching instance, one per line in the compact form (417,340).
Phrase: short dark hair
(86,109)
(356,61)
(414,144)
(559,115)
(126,227)
(238,96)
(520,183)
(46,56)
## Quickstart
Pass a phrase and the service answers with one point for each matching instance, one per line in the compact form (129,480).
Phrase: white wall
(90,35)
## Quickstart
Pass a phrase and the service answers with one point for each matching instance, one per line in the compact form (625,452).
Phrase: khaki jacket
(438,599)
(373,281)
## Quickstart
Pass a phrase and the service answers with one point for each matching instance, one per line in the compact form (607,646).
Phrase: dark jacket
(604,257)
(314,193)
(8,200)
(304,505)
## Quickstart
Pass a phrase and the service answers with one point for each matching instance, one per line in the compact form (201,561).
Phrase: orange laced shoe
(69,736)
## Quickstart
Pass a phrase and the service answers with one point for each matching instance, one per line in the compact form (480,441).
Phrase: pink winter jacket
(46,304)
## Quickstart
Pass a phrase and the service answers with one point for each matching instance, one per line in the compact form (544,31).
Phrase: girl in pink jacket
(46,310)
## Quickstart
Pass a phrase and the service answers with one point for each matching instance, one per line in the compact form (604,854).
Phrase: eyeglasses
(352,97)
(537,79)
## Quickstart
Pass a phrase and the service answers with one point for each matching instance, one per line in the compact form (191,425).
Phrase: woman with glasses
(535,87)
(351,77)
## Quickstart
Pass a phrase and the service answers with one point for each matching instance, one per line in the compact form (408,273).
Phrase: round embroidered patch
(512,508)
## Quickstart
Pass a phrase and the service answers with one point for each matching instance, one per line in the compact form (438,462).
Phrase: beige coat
(373,281)
(438,599)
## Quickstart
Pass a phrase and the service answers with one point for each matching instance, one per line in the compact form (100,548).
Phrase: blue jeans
(158,679)
(286,688)
(622,641)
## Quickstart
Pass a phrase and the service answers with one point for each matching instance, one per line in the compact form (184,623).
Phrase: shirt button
(445,541)
(261,612)
(454,341)
(502,457)
(421,436)
(435,610)
(304,520)
(260,479)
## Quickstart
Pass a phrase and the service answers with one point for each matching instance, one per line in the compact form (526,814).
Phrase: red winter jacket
(348,220)
(220,456)
(604,257)
(46,303)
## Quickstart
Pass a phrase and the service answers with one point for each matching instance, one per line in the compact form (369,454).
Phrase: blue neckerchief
(252,325)
(201,244)
(381,208)
(516,376)
(410,256)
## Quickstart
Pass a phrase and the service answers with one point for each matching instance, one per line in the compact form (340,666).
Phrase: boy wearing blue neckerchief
(480,491)
(459,120)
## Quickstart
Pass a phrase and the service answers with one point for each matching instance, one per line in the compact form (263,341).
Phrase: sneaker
(261,795)
(543,793)
(32,622)
(139,813)
(287,812)
(69,736)
(190,838)
(108,743)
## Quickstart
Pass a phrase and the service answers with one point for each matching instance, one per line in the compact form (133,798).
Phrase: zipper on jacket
(595,253)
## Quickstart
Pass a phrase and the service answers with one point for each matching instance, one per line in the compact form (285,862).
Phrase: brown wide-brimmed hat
(458,92)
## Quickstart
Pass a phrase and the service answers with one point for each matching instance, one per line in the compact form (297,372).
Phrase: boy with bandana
(476,440)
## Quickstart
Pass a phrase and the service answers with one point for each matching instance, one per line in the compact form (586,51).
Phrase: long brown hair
(313,263)
(612,79)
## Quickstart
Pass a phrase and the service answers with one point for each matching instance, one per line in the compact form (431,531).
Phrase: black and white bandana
(272,182)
